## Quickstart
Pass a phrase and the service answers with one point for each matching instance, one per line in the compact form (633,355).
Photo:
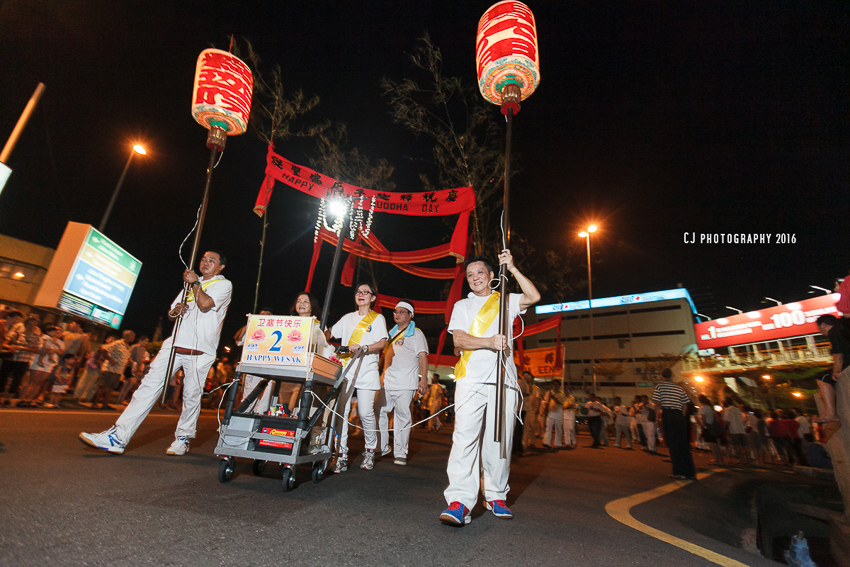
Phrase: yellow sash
(362,327)
(486,315)
(190,297)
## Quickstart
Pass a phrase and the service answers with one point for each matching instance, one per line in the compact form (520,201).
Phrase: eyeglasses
(363,293)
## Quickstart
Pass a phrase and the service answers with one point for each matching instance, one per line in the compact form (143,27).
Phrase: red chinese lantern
(507,55)
(222,96)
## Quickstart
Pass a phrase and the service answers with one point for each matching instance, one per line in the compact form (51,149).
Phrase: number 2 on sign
(278,336)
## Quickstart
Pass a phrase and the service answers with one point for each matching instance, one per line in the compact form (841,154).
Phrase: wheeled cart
(279,350)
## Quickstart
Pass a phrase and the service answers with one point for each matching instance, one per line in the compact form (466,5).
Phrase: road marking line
(620,511)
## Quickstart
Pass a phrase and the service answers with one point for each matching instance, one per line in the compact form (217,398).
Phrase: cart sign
(780,322)
(277,340)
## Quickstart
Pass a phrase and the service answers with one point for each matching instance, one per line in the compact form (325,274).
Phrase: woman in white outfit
(362,330)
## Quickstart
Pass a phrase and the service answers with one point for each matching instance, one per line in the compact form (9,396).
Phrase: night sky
(654,119)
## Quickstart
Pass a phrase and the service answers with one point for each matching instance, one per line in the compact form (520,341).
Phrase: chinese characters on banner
(425,204)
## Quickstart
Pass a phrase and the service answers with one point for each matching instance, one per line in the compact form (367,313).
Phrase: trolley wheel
(318,471)
(288,479)
(259,467)
(225,469)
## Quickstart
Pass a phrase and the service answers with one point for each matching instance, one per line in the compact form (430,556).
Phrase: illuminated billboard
(90,276)
(780,322)
(666,295)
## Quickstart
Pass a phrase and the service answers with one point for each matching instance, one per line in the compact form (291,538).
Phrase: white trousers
(194,367)
(473,449)
(622,431)
(366,411)
(554,424)
(569,427)
(649,431)
(398,402)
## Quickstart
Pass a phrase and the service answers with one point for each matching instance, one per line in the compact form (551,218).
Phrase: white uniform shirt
(368,377)
(201,331)
(622,413)
(403,373)
(483,365)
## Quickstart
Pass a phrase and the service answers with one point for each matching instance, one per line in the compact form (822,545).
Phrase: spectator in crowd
(117,357)
(712,428)
(672,400)
(736,430)
(42,365)
(61,375)
(23,341)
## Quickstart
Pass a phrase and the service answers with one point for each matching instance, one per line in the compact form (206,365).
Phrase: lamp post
(776,301)
(137,149)
(823,289)
(586,234)
(734,309)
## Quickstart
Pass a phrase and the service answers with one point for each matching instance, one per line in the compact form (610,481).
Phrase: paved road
(62,503)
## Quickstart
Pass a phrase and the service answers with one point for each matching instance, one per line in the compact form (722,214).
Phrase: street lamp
(823,289)
(586,234)
(734,309)
(776,301)
(137,149)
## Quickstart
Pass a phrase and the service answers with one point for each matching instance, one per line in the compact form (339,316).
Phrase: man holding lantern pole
(474,326)
(195,345)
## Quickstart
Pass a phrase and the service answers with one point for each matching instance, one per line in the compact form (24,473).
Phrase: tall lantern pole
(221,103)
(507,59)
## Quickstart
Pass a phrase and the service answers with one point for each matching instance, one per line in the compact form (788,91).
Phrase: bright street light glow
(766,376)
(338,207)
(139,149)
(583,234)
(797,394)
(592,228)
(699,378)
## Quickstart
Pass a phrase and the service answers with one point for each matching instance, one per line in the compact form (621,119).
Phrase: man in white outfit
(570,407)
(475,454)
(406,363)
(361,330)
(195,345)
(553,404)
(621,423)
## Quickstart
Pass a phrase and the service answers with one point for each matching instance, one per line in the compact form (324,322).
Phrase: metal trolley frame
(307,438)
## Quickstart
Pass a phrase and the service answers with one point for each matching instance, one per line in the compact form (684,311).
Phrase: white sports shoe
(387,451)
(368,460)
(179,447)
(341,463)
(107,440)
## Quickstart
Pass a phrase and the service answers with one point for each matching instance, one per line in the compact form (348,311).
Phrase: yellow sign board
(277,340)
(539,361)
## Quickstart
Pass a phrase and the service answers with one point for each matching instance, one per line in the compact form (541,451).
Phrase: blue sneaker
(456,515)
(500,509)
(108,441)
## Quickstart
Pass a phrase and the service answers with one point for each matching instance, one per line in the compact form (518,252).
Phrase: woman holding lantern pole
(362,330)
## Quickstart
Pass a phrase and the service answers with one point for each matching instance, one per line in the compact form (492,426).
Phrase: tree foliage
(274,115)
(467,139)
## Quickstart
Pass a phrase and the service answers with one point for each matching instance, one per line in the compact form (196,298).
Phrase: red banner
(780,322)
(423,204)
